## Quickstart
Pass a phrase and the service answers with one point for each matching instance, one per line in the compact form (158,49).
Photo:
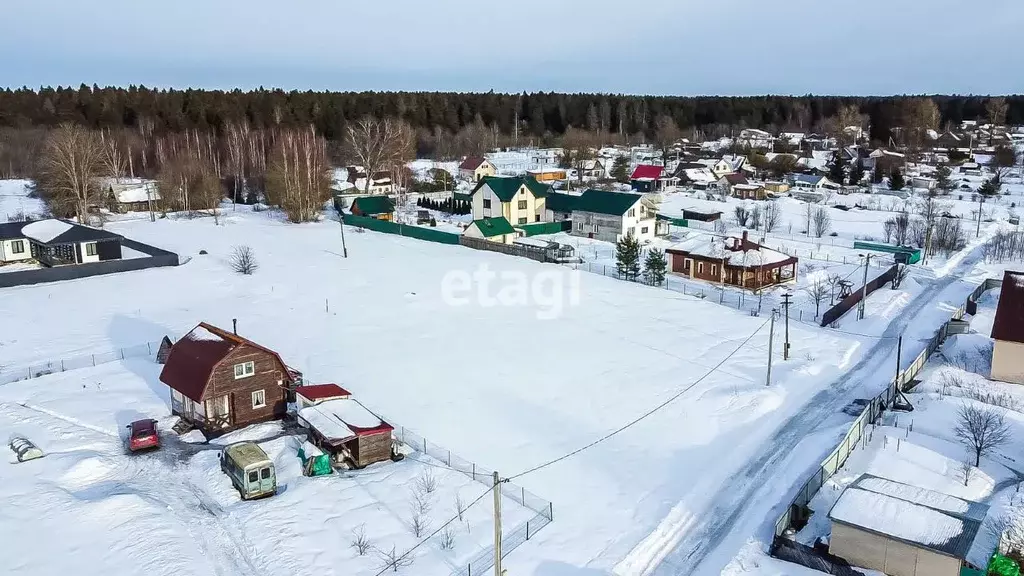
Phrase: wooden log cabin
(221,381)
(733,261)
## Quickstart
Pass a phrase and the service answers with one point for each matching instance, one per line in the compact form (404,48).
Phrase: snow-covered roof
(45,230)
(200,333)
(721,249)
(342,418)
(127,193)
(918,516)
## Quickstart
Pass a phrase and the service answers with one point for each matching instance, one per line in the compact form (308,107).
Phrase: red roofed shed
(647,171)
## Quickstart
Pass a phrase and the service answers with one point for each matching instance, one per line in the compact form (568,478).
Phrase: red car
(142,435)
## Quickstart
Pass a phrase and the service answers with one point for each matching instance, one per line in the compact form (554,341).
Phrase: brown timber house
(221,382)
(737,262)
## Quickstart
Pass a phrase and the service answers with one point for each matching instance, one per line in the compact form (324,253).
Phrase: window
(631,213)
(522,204)
(265,474)
(259,399)
(487,203)
(523,220)
(595,228)
(18,247)
(579,226)
(244,370)
(714,270)
(536,218)
(90,249)
(644,230)
(522,191)
(254,476)
(700,267)
(631,231)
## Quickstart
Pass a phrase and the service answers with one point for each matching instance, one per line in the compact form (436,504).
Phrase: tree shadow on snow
(139,358)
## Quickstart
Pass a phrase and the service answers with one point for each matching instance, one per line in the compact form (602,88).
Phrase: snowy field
(380,324)
(150,513)
(15,202)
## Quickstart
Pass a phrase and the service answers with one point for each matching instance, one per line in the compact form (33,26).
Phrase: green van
(250,470)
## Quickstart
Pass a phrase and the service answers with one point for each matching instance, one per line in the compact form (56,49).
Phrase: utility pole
(771,337)
(864,295)
(899,352)
(341,222)
(786,303)
(497,525)
(981,200)
(149,199)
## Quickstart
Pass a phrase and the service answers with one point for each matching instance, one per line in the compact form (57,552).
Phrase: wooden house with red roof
(221,381)
(474,168)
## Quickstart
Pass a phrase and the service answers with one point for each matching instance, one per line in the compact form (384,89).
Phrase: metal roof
(1009,322)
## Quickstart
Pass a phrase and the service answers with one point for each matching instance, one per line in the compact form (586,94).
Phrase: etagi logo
(549,291)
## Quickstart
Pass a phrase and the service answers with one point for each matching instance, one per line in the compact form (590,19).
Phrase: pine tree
(627,257)
(943,181)
(857,172)
(620,169)
(837,171)
(655,266)
(990,188)
(877,175)
(896,180)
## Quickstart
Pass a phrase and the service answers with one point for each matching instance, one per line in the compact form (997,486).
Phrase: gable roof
(606,202)
(194,357)
(735,178)
(491,227)
(811,179)
(373,205)
(53,231)
(314,392)
(647,171)
(506,188)
(472,162)
(917,516)
(557,202)
(11,230)
(1009,322)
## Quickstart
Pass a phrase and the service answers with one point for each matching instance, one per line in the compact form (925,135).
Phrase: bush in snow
(360,541)
(243,260)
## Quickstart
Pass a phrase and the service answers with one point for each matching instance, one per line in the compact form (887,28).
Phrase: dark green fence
(545,228)
(418,232)
(913,254)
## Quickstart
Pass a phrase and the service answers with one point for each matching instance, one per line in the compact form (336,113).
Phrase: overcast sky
(689,47)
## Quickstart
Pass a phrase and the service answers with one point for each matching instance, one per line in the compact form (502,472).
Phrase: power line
(643,416)
(391,564)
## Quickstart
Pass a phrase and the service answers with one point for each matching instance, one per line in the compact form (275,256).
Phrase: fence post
(93,359)
(149,348)
(424,445)
(523,495)
(474,470)
(449,458)
(551,511)
(122,353)
(62,365)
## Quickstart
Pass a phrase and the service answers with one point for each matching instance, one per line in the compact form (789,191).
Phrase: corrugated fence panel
(418,232)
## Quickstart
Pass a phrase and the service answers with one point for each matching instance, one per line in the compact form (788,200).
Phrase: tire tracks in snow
(687,536)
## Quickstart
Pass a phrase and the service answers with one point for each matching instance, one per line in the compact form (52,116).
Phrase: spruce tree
(896,180)
(655,266)
(877,175)
(620,169)
(627,257)
(857,172)
(837,171)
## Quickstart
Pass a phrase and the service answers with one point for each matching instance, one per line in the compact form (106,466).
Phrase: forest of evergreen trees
(538,114)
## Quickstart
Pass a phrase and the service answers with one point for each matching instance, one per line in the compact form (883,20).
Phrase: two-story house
(608,216)
(475,168)
(518,200)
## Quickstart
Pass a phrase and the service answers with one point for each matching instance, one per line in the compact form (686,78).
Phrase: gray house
(608,216)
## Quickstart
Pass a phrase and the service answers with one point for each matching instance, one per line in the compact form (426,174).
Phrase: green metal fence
(418,232)
(545,228)
(913,254)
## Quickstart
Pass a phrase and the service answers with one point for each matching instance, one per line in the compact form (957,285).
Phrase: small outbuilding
(492,229)
(904,530)
(342,427)
(379,207)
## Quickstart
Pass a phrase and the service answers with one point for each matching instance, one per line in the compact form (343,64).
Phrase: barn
(342,427)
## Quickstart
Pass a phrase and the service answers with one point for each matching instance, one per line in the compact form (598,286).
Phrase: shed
(379,207)
(493,229)
(311,394)
(348,431)
(904,530)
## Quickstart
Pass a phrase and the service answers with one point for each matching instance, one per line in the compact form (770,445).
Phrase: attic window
(244,370)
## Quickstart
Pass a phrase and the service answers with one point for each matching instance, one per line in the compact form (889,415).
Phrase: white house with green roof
(517,200)
(491,229)
(606,215)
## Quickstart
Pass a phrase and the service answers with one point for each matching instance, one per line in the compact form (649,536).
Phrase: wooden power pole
(771,337)
(785,304)
(497,525)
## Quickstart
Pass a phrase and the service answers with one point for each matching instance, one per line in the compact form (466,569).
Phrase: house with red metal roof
(220,381)
(649,178)
(474,168)
(1008,330)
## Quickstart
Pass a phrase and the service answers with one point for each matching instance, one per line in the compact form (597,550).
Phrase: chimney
(744,237)
(234,321)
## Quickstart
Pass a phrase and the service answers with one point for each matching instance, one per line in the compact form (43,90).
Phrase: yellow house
(518,200)
(475,168)
(548,174)
(1008,331)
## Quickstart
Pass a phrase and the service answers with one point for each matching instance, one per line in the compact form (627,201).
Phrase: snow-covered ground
(89,508)
(383,324)
(15,203)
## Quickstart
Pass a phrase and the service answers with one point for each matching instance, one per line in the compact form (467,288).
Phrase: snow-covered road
(703,544)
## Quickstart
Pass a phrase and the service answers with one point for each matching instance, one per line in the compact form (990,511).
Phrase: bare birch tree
(817,292)
(72,160)
(772,215)
(376,144)
(822,221)
(981,430)
(298,179)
